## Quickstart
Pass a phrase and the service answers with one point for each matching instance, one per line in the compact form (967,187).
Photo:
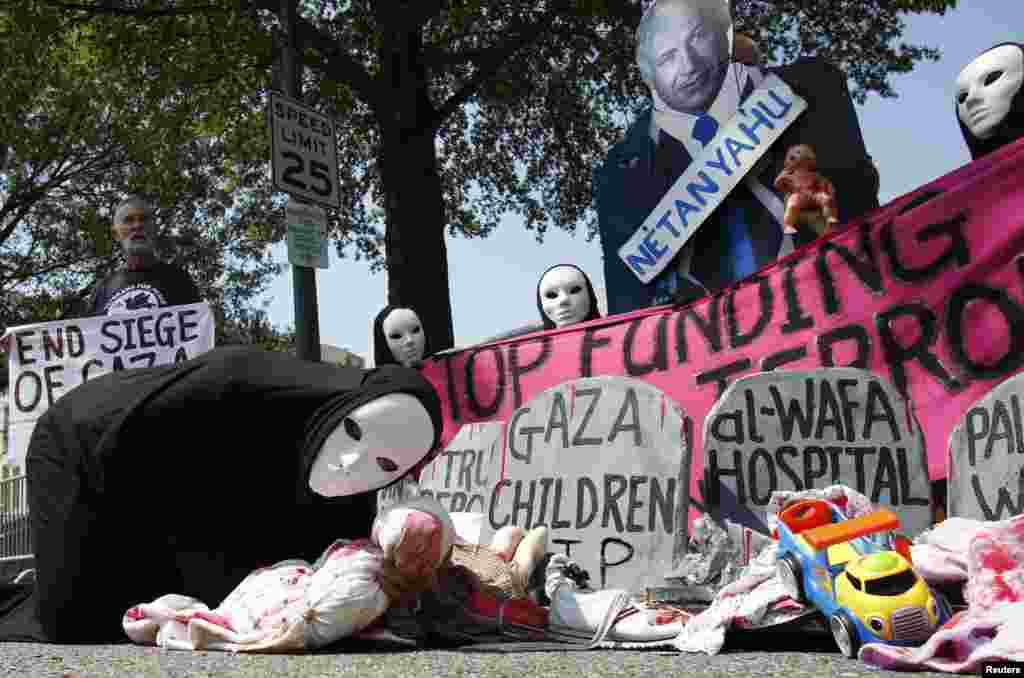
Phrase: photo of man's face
(690,50)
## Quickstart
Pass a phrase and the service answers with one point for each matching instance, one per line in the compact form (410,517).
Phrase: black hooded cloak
(184,479)
(594,313)
(1010,129)
(381,353)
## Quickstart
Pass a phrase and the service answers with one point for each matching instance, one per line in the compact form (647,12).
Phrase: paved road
(129,661)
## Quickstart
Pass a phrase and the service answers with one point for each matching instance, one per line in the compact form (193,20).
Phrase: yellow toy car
(850,570)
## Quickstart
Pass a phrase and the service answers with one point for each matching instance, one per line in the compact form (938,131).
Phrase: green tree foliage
(92,109)
(454,114)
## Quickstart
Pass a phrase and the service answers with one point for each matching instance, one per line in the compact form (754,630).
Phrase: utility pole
(307,325)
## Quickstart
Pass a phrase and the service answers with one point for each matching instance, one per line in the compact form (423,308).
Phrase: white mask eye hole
(387,465)
(992,77)
(550,294)
(576,289)
(352,429)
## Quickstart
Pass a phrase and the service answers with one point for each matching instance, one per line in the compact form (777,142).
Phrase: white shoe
(608,614)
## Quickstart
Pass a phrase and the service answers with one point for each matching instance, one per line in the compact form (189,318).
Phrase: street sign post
(304,152)
(307,235)
(300,137)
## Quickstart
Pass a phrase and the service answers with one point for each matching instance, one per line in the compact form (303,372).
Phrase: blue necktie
(705,129)
(741,251)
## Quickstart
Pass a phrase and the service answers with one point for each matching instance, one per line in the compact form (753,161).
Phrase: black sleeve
(98,299)
(191,290)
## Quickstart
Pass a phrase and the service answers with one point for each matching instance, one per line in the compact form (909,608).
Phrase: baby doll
(810,197)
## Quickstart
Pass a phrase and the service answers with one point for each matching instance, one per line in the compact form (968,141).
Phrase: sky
(913,139)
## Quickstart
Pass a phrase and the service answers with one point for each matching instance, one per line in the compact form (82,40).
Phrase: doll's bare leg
(827,202)
(792,215)
(529,553)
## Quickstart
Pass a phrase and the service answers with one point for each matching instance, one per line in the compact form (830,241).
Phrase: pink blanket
(990,557)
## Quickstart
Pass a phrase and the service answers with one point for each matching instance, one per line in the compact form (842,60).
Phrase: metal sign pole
(307,329)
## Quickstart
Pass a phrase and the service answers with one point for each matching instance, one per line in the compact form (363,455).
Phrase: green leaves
(167,97)
(98,106)
(859,36)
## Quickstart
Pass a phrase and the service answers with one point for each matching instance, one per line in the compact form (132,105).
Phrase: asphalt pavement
(130,661)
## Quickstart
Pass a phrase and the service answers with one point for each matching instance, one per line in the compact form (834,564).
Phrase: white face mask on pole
(564,296)
(404,335)
(986,88)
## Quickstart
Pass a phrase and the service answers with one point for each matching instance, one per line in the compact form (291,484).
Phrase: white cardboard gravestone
(986,456)
(463,476)
(602,462)
(796,430)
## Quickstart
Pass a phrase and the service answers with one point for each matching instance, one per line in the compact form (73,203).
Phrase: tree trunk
(416,255)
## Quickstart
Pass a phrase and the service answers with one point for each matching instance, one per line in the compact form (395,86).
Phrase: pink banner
(927,292)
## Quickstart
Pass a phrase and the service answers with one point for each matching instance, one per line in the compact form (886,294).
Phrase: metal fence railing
(15,537)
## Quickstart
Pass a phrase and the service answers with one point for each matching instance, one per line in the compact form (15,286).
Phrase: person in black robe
(186,478)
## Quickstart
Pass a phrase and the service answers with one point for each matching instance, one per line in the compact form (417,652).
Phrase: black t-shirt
(160,285)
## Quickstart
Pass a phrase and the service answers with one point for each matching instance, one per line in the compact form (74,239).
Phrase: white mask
(378,443)
(403,332)
(564,296)
(985,89)
(690,52)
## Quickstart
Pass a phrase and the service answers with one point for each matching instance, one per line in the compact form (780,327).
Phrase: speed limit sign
(303,152)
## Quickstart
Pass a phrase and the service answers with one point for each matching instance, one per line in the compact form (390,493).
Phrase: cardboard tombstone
(798,430)
(603,462)
(986,456)
(989,99)
(684,52)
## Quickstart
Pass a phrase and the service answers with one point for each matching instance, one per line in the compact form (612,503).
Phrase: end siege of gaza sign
(986,456)
(47,360)
(602,462)
(807,429)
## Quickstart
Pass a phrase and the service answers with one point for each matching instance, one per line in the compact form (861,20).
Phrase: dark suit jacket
(636,174)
